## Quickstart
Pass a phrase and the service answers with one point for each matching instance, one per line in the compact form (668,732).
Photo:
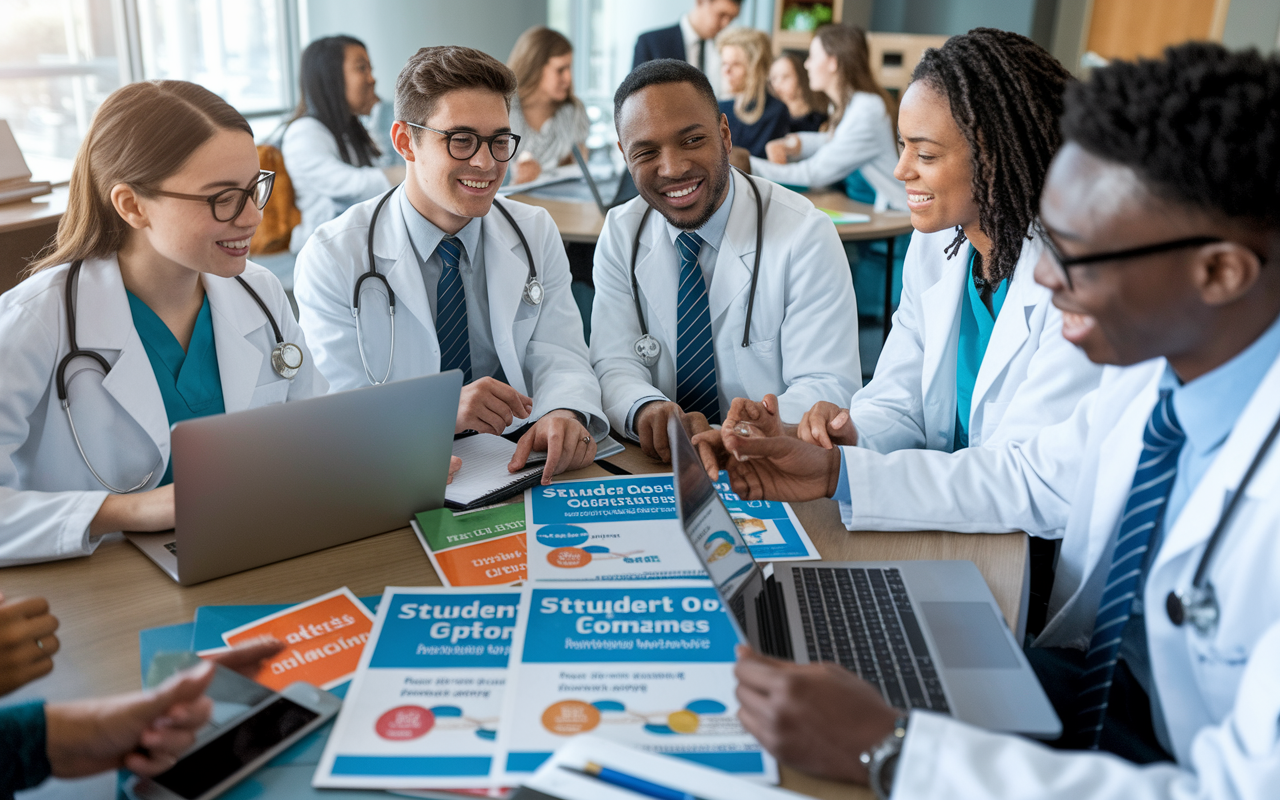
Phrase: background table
(104,600)
(25,228)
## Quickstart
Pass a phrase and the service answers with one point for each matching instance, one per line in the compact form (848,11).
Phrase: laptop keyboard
(862,620)
(172,547)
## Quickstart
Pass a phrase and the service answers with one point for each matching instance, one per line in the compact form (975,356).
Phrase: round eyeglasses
(227,204)
(465,144)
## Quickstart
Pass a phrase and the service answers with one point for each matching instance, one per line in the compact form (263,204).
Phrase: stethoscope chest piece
(648,349)
(286,359)
(1198,606)
(532,292)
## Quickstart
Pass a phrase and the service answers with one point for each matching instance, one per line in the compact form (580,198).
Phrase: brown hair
(848,43)
(141,134)
(532,51)
(816,101)
(435,71)
(754,44)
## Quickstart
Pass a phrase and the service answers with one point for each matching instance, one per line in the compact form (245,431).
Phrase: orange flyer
(323,638)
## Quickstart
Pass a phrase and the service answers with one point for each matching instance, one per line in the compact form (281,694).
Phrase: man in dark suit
(692,38)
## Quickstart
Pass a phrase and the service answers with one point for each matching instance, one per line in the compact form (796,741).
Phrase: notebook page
(484,467)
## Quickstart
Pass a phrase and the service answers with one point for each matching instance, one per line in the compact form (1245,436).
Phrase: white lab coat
(541,348)
(1220,694)
(324,185)
(47,494)
(1030,377)
(804,324)
(864,140)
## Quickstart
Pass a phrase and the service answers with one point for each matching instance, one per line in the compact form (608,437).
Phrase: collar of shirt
(425,236)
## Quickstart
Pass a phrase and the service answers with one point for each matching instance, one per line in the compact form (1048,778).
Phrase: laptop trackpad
(968,636)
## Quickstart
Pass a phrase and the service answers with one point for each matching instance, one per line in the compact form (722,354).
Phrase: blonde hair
(532,51)
(848,44)
(755,46)
(141,134)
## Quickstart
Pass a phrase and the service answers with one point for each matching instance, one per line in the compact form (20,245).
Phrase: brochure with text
(475,548)
(423,709)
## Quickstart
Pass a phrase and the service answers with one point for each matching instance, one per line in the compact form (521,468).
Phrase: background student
(755,117)
(1161,260)
(165,196)
(692,39)
(858,137)
(459,272)
(544,113)
(789,80)
(694,267)
(329,154)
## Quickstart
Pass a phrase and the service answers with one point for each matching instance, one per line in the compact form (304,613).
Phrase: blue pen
(631,782)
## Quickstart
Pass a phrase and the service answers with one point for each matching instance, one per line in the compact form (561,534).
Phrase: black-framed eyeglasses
(227,204)
(1064,262)
(463,145)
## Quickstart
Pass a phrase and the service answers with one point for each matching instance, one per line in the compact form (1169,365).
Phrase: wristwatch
(882,760)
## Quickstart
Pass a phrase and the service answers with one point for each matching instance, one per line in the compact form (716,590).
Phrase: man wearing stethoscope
(1162,215)
(737,287)
(425,278)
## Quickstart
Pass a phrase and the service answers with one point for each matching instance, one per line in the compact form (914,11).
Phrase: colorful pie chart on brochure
(561,535)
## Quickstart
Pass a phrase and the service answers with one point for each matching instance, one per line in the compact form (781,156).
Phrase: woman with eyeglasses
(331,158)
(143,313)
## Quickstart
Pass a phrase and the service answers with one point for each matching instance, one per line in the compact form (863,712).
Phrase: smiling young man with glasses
(455,271)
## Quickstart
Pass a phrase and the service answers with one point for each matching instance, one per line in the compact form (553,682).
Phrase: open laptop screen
(711,531)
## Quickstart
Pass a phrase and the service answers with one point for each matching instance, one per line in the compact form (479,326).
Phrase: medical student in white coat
(164,199)
(331,158)
(465,292)
(1164,646)
(858,136)
(765,304)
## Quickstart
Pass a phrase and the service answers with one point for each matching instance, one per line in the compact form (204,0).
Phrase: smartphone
(234,745)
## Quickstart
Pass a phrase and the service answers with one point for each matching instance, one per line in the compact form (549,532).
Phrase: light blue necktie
(1143,512)
(695,352)
(451,312)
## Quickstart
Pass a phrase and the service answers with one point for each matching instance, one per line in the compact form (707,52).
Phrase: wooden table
(104,600)
(582,222)
(25,228)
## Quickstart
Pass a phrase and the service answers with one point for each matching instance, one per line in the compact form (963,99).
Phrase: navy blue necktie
(1143,512)
(451,312)
(695,351)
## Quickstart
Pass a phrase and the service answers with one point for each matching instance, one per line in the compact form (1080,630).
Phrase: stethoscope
(286,360)
(647,348)
(1199,604)
(532,293)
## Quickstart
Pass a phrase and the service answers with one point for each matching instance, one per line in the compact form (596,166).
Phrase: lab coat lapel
(505,274)
(236,317)
(658,274)
(104,323)
(941,323)
(1010,331)
(396,260)
(737,250)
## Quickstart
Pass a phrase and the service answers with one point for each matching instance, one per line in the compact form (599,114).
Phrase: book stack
(15,176)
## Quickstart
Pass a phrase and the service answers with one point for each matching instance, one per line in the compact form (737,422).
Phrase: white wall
(1253,23)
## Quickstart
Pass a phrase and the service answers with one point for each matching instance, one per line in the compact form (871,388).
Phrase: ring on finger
(586,440)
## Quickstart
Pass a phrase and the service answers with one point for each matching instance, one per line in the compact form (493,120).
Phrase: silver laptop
(271,483)
(626,186)
(927,634)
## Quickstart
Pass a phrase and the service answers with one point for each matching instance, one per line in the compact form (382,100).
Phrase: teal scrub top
(189,381)
(976,323)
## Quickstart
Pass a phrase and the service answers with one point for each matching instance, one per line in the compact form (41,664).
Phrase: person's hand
(827,425)
(711,452)
(779,151)
(147,511)
(740,157)
(455,464)
(651,426)
(27,643)
(248,658)
(527,169)
(762,417)
(815,717)
(144,732)
(779,468)
(567,443)
(489,406)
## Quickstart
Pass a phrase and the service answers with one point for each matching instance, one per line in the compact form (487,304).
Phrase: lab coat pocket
(268,394)
(759,367)
(1218,663)
(992,413)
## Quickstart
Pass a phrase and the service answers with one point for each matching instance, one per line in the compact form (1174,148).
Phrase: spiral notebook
(484,479)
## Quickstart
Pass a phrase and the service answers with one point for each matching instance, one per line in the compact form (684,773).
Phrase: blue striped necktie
(1143,512)
(695,352)
(451,312)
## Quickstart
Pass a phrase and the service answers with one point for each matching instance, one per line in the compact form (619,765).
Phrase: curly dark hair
(1006,96)
(1201,127)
